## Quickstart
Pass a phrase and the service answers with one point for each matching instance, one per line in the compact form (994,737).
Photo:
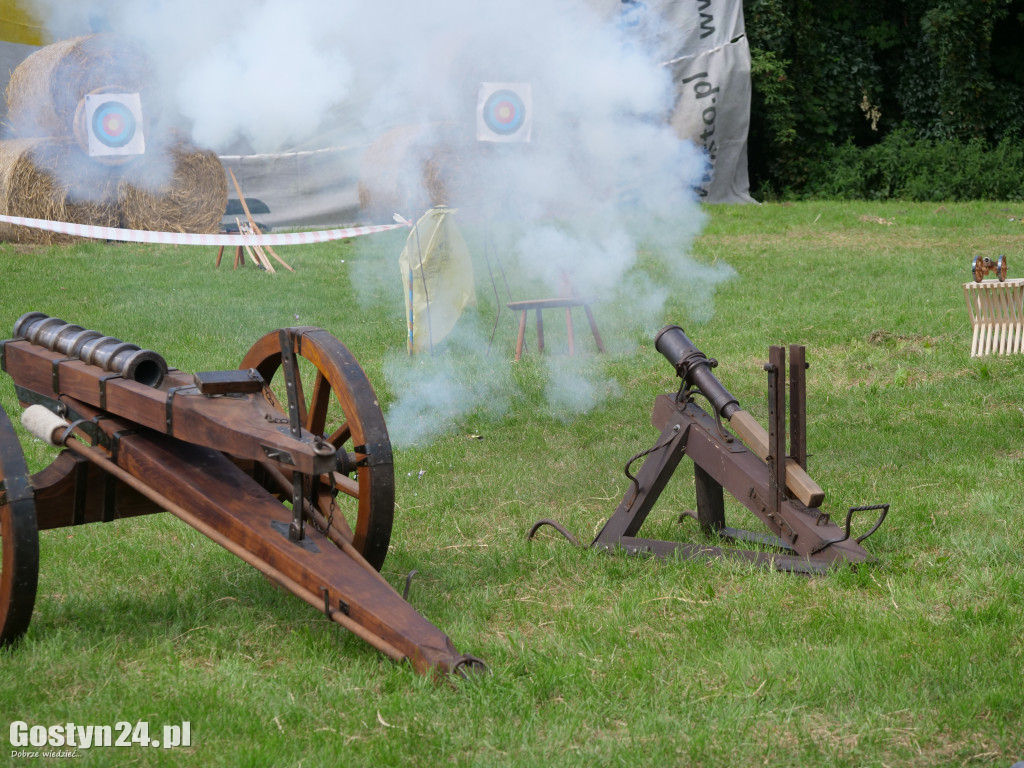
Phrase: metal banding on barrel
(693,367)
(128,360)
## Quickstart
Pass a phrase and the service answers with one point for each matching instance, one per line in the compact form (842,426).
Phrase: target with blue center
(504,112)
(114,124)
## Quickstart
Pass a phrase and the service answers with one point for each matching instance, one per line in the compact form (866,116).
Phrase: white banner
(713,109)
(672,29)
(704,44)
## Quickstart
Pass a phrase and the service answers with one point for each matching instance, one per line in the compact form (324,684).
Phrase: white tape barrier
(184,238)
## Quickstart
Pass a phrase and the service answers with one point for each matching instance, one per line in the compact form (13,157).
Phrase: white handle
(41,422)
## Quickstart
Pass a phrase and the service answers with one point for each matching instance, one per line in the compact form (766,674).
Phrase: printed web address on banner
(184,238)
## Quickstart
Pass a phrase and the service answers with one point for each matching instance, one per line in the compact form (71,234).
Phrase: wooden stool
(540,304)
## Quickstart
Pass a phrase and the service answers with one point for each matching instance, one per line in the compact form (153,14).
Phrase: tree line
(884,98)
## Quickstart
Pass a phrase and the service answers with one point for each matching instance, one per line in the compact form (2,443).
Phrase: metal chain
(330,516)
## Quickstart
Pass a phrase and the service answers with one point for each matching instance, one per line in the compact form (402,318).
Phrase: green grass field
(917,660)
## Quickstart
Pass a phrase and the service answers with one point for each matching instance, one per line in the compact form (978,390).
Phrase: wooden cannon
(293,475)
(750,462)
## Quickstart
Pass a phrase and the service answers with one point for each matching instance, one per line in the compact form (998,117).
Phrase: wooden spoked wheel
(337,402)
(19,568)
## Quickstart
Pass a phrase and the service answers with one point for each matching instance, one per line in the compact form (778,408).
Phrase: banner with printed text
(704,44)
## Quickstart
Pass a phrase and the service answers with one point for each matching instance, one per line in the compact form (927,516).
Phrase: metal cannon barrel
(694,368)
(142,365)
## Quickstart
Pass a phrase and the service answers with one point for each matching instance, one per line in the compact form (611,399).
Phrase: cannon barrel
(219,451)
(694,368)
(92,347)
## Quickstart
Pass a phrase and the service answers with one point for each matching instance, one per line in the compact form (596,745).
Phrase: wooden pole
(252,222)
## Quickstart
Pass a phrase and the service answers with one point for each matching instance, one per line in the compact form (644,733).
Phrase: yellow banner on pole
(437,275)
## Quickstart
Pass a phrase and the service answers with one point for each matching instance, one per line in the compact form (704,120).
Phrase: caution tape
(185,238)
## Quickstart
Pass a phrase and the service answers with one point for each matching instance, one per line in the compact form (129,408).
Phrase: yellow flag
(438,278)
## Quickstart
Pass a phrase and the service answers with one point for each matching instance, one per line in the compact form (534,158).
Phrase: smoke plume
(603,179)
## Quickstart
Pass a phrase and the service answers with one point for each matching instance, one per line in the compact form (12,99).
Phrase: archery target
(114,124)
(504,112)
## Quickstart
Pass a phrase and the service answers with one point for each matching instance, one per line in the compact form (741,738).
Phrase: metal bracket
(374,454)
(285,530)
(291,379)
(17,488)
(34,398)
(55,371)
(289,365)
(103,388)
(170,405)
(408,583)
(296,532)
(114,441)
(279,455)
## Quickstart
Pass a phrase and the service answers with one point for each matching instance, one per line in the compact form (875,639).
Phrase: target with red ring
(110,125)
(504,112)
(113,124)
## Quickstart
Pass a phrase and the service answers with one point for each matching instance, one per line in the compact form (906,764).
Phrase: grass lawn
(917,660)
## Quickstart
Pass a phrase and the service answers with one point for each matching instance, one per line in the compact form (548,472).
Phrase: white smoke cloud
(264,72)
(603,179)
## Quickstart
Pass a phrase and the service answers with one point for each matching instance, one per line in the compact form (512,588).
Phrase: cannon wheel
(19,568)
(338,402)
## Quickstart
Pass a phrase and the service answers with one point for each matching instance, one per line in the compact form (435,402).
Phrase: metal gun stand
(807,539)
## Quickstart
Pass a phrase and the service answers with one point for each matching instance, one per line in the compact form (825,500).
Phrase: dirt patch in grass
(868,237)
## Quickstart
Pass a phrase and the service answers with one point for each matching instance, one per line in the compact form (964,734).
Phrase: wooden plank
(573,301)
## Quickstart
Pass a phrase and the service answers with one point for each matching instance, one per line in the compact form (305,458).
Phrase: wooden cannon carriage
(294,476)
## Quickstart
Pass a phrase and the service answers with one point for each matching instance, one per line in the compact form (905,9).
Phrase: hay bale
(182,189)
(46,88)
(412,168)
(50,178)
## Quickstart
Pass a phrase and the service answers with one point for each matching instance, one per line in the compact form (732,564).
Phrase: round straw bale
(412,168)
(177,189)
(45,89)
(45,178)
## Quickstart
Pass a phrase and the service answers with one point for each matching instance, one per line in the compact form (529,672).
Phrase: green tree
(826,76)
